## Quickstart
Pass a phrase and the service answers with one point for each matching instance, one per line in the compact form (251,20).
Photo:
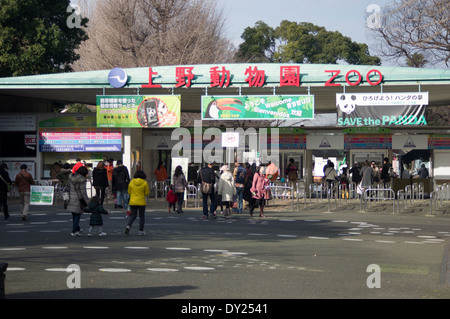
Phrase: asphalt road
(312,253)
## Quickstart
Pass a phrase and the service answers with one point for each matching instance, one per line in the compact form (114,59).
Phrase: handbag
(206,188)
(8,186)
(268,194)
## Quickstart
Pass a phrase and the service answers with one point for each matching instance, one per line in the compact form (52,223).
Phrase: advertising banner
(77,134)
(270,107)
(381,109)
(138,111)
(79,140)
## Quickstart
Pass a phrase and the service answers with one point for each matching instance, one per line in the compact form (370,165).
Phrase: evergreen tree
(36,37)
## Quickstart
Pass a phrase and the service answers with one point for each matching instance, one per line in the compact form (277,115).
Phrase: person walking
(330,175)
(109,173)
(96,210)
(120,181)
(239,181)
(100,181)
(291,173)
(260,182)
(248,185)
(161,176)
(207,179)
(77,165)
(385,173)
(272,171)
(23,181)
(77,198)
(179,184)
(423,172)
(366,176)
(5,187)
(356,173)
(376,174)
(226,189)
(138,190)
(171,198)
(54,171)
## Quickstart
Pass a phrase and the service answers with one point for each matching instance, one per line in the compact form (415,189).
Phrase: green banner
(270,107)
(138,111)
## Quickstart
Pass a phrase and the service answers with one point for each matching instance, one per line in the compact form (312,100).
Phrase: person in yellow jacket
(138,190)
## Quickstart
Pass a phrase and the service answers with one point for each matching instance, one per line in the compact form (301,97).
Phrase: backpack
(240,175)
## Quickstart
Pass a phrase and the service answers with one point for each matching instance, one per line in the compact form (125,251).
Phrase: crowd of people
(226,190)
(229,189)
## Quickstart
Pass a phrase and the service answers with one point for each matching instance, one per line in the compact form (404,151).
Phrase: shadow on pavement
(103,293)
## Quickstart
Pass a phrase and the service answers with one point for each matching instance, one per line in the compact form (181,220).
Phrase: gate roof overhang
(83,87)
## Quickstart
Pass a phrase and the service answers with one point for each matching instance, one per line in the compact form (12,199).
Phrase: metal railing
(282,192)
(439,196)
(192,193)
(377,194)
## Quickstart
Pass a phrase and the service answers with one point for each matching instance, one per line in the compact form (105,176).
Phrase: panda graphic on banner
(381,109)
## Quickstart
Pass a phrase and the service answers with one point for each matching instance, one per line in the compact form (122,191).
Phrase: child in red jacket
(171,198)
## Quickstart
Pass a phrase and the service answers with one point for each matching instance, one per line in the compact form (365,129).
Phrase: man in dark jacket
(4,182)
(23,181)
(120,180)
(207,176)
(385,176)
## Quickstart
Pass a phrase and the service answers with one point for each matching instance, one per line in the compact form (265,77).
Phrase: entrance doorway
(320,159)
(361,156)
(298,160)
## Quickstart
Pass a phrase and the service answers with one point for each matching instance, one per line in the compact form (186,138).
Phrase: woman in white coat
(226,188)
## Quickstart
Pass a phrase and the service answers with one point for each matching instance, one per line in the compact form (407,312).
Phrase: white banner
(382,99)
(325,142)
(400,142)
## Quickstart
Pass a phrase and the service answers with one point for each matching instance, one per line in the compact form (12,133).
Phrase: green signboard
(41,195)
(138,111)
(269,107)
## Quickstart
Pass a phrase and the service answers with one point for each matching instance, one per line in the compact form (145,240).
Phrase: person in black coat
(96,210)
(207,176)
(120,181)
(4,182)
(100,181)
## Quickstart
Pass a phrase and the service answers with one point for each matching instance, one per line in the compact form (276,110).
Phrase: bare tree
(138,33)
(412,27)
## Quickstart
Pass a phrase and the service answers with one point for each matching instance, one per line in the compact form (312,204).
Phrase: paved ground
(316,251)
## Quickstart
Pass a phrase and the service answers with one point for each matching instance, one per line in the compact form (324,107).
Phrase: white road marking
(199,268)
(15,269)
(114,270)
(163,269)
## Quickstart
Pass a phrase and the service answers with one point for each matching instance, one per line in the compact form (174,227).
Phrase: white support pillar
(126,147)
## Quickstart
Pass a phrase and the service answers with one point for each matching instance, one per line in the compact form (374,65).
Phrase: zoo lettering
(335,73)
(289,76)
